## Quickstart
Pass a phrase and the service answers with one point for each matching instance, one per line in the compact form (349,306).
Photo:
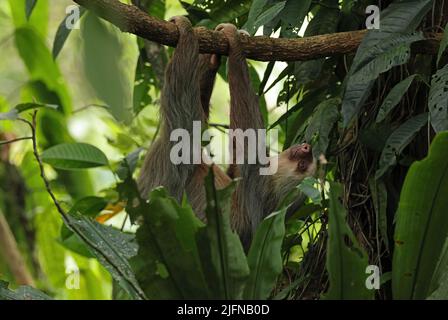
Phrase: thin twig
(15,140)
(90,106)
(32,125)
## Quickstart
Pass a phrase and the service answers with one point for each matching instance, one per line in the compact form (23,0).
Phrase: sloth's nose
(306,147)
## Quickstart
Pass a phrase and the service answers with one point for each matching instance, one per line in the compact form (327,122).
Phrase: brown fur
(189,80)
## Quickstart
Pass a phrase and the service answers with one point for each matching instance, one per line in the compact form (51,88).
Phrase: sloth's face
(297,162)
(302,156)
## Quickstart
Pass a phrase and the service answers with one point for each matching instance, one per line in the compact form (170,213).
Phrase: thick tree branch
(133,20)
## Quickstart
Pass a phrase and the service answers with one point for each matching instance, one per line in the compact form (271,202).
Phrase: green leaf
(129,164)
(71,241)
(346,260)
(379,198)
(438,100)
(307,187)
(145,78)
(72,156)
(394,97)
(269,15)
(265,256)
(30,4)
(228,11)
(112,247)
(440,276)
(397,141)
(443,44)
(386,55)
(22,107)
(397,19)
(255,79)
(32,48)
(222,255)
(293,14)
(255,10)
(322,121)
(167,265)
(63,32)
(442,291)
(105,67)
(22,293)
(88,206)
(39,18)
(422,225)
(325,21)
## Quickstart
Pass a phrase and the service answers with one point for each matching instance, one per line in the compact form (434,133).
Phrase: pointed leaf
(394,97)
(30,4)
(167,265)
(112,247)
(346,260)
(321,124)
(269,15)
(397,19)
(62,33)
(222,254)
(72,156)
(422,224)
(398,140)
(265,257)
(438,100)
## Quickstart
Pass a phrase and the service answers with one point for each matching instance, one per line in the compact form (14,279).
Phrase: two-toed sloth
(189,80)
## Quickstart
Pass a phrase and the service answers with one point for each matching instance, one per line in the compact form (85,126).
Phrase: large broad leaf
(422,224)
(346,260)
(438,100)
(398,140)
(222,254)
(32,48)
(112,247)
(72,156)
(167,265)
(394,97)
(22,293)
(265,258)
(400,17)
(105,67)
(63,32)
(379,58)
(319,129)
(383,56)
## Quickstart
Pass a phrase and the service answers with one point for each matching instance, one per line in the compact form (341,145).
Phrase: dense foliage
(379,116)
